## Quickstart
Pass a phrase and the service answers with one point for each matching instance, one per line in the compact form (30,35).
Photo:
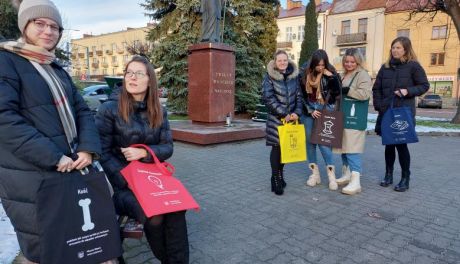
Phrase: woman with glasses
(135,116)
(43,120)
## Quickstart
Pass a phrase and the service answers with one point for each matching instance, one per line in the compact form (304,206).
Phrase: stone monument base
(214,133)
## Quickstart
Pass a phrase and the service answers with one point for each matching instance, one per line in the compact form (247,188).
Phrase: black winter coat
(329,84)
(281,96)
(32,140)
(410,76)
(116,133)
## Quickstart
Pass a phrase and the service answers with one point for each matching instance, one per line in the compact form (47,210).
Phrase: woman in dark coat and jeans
(319,80)
(138,118)
(401,76)
(281,94)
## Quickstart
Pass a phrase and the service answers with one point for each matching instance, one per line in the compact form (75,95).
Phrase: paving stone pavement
(241,221)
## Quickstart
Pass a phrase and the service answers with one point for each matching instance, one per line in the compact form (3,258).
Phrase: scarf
(41,60)
(28,51)
(314,84)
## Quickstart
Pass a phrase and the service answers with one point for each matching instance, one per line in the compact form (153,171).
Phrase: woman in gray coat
(281,94)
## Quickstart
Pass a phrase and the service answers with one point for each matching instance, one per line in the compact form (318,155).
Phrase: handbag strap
(165,167)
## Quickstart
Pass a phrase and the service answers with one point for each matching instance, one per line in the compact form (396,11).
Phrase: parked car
(430,100)
(96,94)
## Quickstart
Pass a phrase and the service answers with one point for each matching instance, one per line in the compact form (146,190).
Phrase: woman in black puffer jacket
(138,118)
(281,94)
(404,77)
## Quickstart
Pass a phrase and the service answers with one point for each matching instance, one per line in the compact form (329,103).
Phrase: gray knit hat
(31,9)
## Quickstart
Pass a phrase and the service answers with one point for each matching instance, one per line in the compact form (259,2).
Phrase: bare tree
(431,8)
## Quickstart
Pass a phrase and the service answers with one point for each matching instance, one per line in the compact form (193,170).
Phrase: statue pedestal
(211,82)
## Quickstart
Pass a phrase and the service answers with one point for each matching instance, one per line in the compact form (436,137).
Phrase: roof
(300,11)
(345,6)
(404,5)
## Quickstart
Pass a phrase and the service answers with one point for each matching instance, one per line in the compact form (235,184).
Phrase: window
(300,32)
(93,48)
(362,25)
(103,60)
(439,32)
(104,71)
(125,58)
(114,58)
(95,60)
(403,33)
(319,31)
(346,27)
(437,58)
(114,46)
(289,34)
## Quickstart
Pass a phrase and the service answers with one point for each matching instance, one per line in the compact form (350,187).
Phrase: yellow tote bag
(292,142)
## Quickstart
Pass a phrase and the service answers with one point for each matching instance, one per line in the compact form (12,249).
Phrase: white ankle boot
(346,175)
(354,186)
(331,176)
(314,177)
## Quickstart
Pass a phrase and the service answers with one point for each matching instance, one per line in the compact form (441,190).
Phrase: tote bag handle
(165,167)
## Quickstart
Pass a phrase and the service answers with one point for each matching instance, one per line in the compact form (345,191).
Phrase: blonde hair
(409,54)
(356,54)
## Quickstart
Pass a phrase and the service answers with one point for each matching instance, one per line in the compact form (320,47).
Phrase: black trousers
(403,155)
(166,234)
(275,160)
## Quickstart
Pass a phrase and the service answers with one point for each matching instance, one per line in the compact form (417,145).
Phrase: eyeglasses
(41,26)
(139,75)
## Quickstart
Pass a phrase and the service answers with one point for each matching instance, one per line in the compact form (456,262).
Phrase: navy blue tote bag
(398,126)
(76,219)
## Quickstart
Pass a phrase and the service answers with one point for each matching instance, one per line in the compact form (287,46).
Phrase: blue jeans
(353,160)
(326,151)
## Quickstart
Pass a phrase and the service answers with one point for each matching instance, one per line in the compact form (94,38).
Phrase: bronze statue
(211,15)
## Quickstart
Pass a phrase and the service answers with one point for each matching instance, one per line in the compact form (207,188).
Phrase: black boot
(283,183)
(403,185)
(388,179)
(277,185)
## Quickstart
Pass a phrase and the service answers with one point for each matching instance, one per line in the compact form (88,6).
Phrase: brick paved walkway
(241,221)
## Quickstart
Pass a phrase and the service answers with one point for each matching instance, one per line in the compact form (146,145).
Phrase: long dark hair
(126,101)
(316,57)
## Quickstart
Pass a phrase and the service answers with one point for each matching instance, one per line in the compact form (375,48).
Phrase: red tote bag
(155,187)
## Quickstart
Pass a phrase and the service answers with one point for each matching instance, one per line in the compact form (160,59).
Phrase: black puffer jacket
(32,141)
(281,95)
(116,134)
(329,84)
(410,76)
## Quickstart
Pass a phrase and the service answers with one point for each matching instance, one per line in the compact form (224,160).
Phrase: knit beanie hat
(32,9)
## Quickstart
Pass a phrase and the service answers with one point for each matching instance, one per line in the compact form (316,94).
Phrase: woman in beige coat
(357,84)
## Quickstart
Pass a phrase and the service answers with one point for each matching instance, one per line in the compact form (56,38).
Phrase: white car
(96,94)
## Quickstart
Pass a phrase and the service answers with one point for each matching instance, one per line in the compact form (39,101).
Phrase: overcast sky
(103,16)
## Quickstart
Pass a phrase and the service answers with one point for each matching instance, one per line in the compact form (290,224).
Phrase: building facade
(95,56)
(435,43)
(356,24)
(291,23)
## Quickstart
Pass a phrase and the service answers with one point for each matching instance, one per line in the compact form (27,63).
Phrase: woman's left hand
(401,92)
(84,159)
(134,153)
(327,73)
(294,117)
